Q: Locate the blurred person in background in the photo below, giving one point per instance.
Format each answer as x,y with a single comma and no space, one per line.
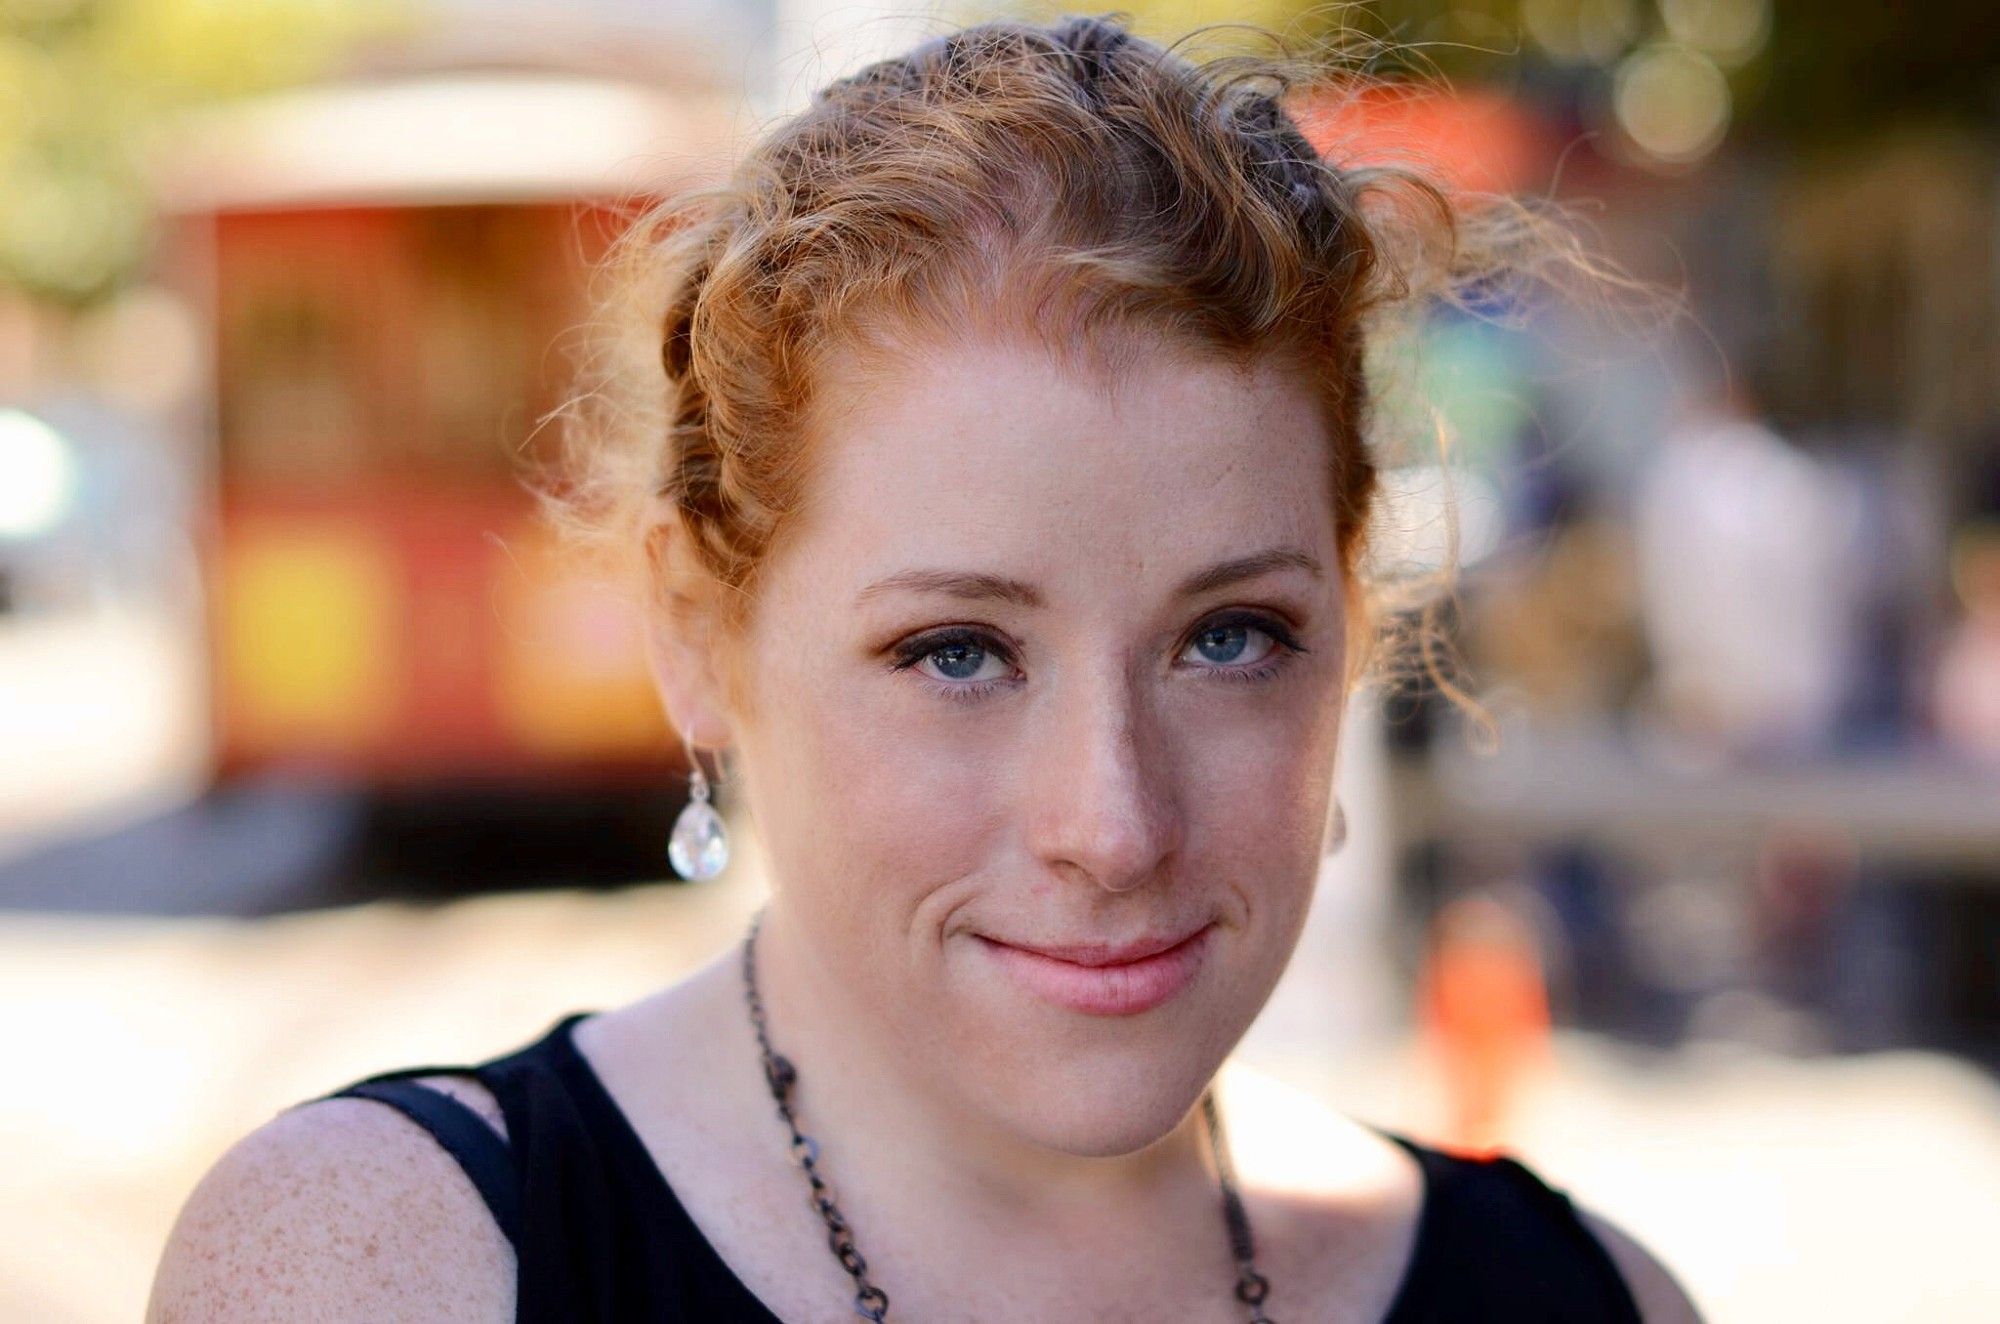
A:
1748,585
1005,505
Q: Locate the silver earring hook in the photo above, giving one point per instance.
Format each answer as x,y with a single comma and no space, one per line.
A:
698,785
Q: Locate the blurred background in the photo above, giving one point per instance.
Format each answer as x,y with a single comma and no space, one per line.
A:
316,758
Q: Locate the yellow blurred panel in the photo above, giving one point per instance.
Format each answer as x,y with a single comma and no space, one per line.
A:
308,637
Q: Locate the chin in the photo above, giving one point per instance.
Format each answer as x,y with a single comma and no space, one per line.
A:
1094,1086
1115,1127
1062,1061
1102,1111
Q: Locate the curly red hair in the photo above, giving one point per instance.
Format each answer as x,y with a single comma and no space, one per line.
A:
1071,182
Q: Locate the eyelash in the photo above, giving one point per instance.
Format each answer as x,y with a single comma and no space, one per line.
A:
913,651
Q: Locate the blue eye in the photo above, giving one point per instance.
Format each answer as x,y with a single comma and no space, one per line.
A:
953,662
1224,645
959,660
966,664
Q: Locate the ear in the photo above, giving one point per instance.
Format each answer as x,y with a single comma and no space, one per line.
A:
680,636
679,656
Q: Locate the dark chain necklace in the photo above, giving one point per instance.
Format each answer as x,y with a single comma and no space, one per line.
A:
870,1301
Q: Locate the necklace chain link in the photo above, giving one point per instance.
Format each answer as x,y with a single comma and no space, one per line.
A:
870,1301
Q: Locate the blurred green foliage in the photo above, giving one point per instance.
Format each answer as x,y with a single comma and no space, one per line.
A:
83,83
1841,68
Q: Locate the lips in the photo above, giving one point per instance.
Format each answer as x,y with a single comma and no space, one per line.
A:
1104,953
1105,979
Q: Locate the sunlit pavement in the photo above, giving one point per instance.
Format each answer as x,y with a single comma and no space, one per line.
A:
1860,1189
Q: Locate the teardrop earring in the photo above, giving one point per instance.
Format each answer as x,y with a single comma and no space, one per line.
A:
699,847
1336,829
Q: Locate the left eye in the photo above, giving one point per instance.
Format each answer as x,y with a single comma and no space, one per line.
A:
1232,643
963,660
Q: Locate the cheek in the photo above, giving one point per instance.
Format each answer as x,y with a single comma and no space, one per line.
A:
922,812
873,803
1257,780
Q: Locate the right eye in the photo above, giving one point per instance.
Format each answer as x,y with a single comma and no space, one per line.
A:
961,663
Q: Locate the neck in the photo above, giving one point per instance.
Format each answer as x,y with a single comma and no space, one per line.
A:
882,1125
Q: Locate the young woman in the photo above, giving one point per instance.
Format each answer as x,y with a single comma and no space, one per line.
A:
998,462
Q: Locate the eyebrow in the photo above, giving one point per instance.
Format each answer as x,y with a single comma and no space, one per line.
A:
998,588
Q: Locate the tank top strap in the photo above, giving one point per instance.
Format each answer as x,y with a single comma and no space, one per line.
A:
1497,1242
598,1237
462,1133
589,1252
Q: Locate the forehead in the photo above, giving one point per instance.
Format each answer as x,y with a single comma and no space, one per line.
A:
996,451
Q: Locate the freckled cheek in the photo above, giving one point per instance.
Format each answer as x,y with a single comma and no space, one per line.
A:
1257,809
940,814
898,810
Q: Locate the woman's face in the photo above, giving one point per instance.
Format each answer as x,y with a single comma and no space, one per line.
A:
1046,666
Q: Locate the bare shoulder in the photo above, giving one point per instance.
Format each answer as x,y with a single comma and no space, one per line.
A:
1661,1298
337,1209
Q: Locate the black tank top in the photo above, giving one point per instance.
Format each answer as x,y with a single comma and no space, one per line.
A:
599,1236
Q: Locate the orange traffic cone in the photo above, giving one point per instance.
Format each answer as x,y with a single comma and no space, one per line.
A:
1483,1010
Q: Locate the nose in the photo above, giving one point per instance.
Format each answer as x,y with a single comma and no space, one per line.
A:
1102,793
